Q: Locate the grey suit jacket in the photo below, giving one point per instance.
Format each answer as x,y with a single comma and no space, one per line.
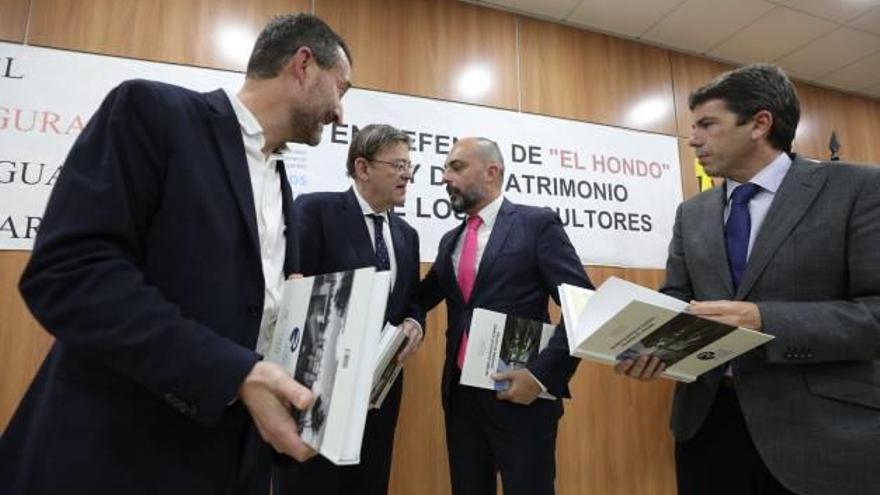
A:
811,397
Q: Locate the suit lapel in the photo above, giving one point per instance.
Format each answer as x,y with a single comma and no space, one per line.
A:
401,254
445,268
227,134
496,240
714,228
798,190
354,224
291,261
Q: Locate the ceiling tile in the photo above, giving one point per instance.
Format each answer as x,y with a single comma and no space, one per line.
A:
869,22
627,17
875,91
698,25
832,51
856,76
840,11
775,34
551,9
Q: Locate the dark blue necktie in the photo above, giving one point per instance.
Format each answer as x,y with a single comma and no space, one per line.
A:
738,229
383,262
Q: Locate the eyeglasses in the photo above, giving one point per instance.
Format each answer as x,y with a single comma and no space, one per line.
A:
402,166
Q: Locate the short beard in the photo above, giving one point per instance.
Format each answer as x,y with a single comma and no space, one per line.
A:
307,129
462,201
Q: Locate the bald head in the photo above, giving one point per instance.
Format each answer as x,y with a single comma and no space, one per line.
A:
473,174
485,151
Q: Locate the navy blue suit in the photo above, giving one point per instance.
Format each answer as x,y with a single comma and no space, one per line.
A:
332,236
147,271
527,256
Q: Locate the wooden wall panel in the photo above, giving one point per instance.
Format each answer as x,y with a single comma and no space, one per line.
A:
689,73
581,75
209,33
23,343
13,19
426,47
871,130
854,119
420,464
613,438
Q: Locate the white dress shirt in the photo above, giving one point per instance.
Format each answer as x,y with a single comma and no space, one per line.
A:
769,178
266,187
371,229
389,244
489,213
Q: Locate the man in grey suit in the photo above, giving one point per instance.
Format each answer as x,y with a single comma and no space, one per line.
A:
789,247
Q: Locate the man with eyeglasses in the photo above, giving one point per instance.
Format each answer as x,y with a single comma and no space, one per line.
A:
339,231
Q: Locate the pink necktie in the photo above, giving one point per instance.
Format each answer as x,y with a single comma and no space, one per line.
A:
467,274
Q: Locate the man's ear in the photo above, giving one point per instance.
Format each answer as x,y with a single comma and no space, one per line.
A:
762,124
299,62
361,166
493,170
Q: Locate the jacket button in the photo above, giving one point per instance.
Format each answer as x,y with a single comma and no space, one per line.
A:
253,310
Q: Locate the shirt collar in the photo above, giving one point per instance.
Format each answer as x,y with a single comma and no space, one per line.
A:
769,178
490,212
246,119
365,207
251,128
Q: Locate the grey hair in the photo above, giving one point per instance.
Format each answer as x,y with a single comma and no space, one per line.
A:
372,139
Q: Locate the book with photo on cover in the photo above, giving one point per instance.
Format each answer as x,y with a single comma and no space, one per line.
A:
499,343
392,341
326,337
622,320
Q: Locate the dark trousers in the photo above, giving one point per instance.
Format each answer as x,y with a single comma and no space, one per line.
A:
479,448
370,477
721,458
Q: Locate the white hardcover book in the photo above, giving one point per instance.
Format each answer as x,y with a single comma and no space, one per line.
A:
498,343
326,337
392,341
360,372
622,320
572,300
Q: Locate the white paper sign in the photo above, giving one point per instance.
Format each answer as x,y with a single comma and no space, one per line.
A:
615,190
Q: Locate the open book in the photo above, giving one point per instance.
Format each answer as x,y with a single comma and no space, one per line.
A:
387,369
326,337
498,343
622,320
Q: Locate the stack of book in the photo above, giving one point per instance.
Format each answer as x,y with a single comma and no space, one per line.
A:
327,337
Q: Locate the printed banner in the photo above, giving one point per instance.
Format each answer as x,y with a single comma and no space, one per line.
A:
614,189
